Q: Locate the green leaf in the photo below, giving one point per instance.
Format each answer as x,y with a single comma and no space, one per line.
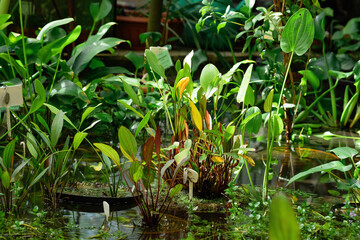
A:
269,101
137,60
175,190
130,91
320,26
208,75
254,124
8,153
4,18
244,85
38,177
86,55
52,25
78,138
127,141
136,171
127,106
283,223
344,152
348,110
154,63
56,128
17,170
277,125
183,154
229,132
57,46
99,11
69,88
86,113
32,145
143,123
109,151
19,68
40,98
327,167
5,179
312,78
54,110
298,33
220,26
165,167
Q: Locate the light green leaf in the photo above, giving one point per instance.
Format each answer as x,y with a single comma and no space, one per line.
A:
327,167
78,138
283,223
175,190
154,63
56,128
109,151
244,84
269,101
143,123
54,110
344,152
52,25
5,179
40,98
127,141
298,33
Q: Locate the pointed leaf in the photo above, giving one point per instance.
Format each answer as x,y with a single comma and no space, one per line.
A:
5,179
175,190
8,154
148,150
244,84
127,143
143,123
97,167
109,151
52,25
165,167
78,138
269,101
196,116
56,128
154,63
157,141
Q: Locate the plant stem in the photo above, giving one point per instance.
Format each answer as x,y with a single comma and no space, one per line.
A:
283,86
332,92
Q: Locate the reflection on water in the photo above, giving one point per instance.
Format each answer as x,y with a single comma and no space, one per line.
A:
291,159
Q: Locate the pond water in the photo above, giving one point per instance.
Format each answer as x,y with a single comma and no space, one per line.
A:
86,222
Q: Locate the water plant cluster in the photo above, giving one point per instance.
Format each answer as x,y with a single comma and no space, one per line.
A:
163,131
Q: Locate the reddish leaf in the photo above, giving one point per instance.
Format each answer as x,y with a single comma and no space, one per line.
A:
148,150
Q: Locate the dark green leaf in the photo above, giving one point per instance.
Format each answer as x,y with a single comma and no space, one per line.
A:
56,128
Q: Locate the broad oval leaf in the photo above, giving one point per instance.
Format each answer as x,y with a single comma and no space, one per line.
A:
5,179
99,11
344,152
109,151
277,125
269,101
207,76
298,33
254,124
127,143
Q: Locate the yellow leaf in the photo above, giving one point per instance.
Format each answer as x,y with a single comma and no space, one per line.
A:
195,114
97,167
181,85
249,160
217,159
